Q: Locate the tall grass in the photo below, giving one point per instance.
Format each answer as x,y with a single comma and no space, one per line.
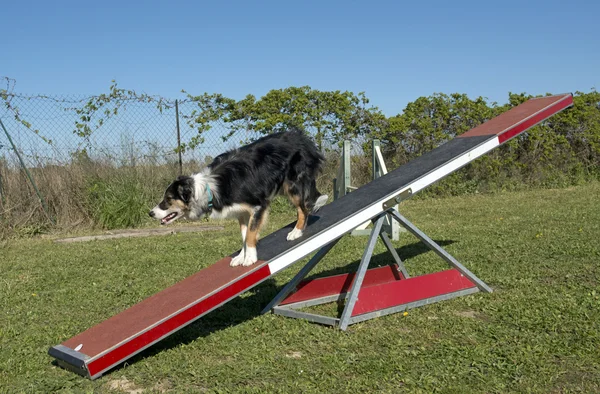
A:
81,194
101,194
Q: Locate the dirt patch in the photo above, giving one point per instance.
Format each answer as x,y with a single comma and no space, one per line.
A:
469,314
473,315
124,385
139,233
162,387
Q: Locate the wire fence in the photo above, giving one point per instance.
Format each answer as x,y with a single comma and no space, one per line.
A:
50,165
43,129
59,151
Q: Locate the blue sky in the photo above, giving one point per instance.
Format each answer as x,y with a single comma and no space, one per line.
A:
394,51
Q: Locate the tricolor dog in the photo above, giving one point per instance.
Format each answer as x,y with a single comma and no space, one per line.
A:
241,183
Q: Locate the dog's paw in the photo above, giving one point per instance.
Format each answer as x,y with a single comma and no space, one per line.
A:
237,260
294,234
250,257
244,259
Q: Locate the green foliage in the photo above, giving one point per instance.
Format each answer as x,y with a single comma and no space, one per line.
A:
119,202
330,116
564,150
6,96
428,122
281,205
98,109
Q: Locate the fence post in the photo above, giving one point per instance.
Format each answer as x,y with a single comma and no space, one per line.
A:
178,137
44,206
2,200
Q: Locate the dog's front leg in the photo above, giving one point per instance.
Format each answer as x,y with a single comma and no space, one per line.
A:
243,220
248,255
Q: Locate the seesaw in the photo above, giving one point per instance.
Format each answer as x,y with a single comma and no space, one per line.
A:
368,293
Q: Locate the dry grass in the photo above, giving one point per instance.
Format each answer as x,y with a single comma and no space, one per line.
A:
75,193
69,192
109,194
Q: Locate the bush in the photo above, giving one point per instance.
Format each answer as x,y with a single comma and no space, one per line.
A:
120,202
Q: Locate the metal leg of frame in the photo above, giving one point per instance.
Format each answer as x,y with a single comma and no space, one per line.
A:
440,252
388,244
287,289
360,274
311,317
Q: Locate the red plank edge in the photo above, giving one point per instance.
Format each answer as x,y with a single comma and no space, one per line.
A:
111,342
522,117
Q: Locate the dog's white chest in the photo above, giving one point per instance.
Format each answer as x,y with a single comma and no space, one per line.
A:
229,212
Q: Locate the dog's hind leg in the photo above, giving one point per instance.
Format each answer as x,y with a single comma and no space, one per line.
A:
248,255
295,195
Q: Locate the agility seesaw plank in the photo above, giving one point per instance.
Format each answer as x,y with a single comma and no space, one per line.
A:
108,344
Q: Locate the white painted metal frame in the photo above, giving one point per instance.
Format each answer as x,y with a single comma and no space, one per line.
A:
342,186
336,231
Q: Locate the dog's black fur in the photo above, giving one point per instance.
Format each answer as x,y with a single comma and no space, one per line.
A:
245,181
256,172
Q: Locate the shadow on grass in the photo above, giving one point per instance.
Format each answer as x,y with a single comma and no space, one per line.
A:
240,310
406,252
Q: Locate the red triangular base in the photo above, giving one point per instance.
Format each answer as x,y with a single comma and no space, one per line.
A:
382,288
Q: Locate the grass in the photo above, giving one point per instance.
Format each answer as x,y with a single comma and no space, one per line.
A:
538,332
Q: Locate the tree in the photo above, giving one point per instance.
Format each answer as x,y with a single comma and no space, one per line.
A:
330,116
428,122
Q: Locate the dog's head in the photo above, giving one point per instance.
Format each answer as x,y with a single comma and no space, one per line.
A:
176,201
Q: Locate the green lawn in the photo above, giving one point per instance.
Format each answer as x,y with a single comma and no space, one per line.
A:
538,332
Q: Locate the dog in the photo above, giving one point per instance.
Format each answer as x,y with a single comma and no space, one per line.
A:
241,183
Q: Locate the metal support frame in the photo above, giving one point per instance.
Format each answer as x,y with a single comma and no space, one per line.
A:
342,186
291,309
343,179
360,274
380,169
440,251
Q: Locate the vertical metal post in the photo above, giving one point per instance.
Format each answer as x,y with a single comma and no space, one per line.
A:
341,183
390,226
347,166
1,189
42,201
376,167
335,189
360,274
178,137
319,136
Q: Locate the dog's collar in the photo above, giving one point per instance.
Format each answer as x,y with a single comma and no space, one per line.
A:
210,196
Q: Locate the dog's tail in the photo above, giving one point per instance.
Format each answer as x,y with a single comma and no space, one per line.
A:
322,200
315,199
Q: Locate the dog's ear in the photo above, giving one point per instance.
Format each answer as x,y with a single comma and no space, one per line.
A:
185,189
